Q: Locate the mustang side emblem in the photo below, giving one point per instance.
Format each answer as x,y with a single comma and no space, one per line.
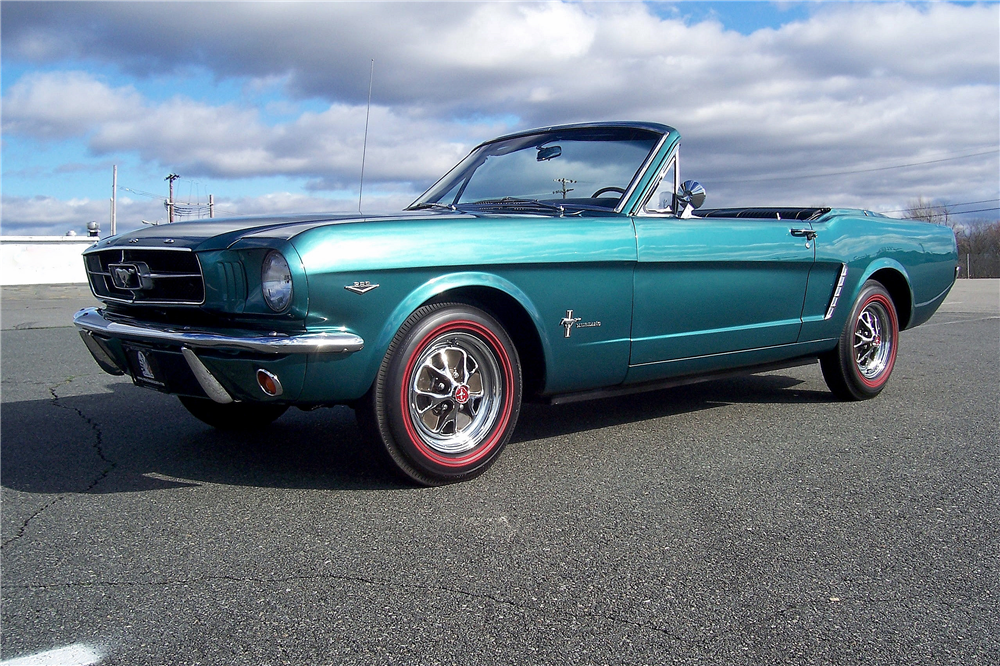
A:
361,287
569,322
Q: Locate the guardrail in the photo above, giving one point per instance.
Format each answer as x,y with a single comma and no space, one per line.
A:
43,259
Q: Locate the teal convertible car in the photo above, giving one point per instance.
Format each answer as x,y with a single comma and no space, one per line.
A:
556,264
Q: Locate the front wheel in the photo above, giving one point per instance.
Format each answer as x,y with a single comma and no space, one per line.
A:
859,367
447,395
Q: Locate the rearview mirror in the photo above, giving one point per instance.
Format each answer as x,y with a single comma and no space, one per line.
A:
548,153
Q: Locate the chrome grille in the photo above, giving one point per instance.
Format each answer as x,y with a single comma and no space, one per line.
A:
146,276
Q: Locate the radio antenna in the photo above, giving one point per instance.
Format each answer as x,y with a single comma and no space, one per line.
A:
364,148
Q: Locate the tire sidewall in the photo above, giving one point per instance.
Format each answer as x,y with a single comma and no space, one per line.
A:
403,433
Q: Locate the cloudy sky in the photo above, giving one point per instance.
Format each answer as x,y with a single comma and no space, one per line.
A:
263,104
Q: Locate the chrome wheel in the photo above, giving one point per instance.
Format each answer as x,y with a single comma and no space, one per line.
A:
447,395
872,340
859,366
455,393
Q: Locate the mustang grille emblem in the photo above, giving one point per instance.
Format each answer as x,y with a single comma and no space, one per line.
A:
133,276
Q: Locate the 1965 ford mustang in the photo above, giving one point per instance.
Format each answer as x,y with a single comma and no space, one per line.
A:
559,264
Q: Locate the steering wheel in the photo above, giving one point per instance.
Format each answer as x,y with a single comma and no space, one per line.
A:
619,190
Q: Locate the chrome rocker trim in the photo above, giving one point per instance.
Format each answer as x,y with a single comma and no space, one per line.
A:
93,321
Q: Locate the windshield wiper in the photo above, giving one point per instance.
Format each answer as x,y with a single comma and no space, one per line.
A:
517,205
432,204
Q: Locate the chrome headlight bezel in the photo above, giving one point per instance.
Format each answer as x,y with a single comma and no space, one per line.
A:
276,281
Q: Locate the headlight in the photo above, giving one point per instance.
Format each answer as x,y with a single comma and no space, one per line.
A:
276,282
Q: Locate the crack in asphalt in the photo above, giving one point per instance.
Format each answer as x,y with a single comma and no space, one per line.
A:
98,447
646,626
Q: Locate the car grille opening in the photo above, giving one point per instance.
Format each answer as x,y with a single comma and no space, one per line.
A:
146,276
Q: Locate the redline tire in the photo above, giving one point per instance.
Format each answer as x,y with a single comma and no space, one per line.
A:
860,366
447,395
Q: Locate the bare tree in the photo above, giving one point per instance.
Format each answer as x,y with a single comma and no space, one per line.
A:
922,209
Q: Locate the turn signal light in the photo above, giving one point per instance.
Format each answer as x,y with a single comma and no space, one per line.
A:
268,382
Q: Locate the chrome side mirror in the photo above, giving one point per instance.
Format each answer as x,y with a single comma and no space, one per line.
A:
690,196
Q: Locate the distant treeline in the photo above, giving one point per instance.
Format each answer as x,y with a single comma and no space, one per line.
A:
978,240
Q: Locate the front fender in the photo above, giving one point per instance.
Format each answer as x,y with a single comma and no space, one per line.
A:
436,286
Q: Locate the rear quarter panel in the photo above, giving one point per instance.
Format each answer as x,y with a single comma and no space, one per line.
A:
923,254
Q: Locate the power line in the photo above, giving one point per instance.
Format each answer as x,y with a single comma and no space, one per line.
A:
855,171
141,193
980,210
933,205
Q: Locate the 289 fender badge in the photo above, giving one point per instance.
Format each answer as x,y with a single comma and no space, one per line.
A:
361,287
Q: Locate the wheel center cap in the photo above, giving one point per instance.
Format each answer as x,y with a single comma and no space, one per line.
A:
462,394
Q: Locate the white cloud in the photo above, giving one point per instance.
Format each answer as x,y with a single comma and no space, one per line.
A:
58,105
50,216
854,87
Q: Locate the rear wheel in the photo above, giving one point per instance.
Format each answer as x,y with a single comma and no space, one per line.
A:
234,415
447,395
859,367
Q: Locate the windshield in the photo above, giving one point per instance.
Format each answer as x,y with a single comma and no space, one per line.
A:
589,167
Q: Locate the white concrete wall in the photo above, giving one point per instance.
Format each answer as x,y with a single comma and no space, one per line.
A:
43,259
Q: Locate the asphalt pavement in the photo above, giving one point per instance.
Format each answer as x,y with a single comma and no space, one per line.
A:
753,520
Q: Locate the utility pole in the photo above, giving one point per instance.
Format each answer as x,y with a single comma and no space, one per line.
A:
170,202
114,200
564,190
211,205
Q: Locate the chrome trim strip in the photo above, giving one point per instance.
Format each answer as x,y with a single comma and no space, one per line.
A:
836,292
730,353
640,173
672,159
91,319
660,384
209,384
165,276
116,248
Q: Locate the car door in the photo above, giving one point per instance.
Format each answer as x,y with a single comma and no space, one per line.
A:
713,288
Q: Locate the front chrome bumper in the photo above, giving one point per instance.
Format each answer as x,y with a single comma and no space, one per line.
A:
96,330
93,321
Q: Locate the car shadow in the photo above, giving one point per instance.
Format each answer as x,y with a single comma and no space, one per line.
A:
129,440
539,421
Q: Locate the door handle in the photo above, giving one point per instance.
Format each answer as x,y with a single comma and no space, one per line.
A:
808,234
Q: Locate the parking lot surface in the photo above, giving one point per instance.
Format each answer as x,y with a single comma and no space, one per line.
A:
745,521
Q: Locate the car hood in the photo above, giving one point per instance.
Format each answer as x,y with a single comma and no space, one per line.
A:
218,234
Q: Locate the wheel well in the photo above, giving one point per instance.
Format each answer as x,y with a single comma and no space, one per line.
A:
899,290
518,324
